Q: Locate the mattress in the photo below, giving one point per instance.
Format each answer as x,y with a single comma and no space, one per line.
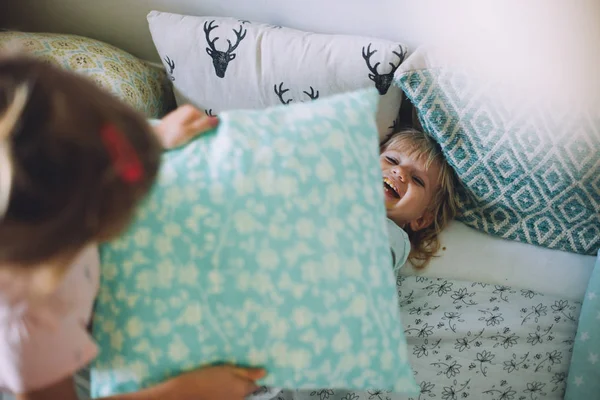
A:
473,256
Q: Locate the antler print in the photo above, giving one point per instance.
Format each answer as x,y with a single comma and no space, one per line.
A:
367,56
171,65
239,36
280,92
395,127
221,59
208,28
312,94
382,81
401,56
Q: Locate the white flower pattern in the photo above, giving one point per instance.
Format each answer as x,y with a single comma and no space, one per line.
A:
242,257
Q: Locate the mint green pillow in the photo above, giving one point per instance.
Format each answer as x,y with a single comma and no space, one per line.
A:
262,244
584,372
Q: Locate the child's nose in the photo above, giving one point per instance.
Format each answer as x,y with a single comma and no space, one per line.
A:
400,172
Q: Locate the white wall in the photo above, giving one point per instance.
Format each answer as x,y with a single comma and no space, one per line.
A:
533,40
123,22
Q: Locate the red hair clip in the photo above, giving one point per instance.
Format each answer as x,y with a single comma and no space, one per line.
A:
125,160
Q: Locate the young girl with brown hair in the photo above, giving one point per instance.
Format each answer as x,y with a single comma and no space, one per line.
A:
74,164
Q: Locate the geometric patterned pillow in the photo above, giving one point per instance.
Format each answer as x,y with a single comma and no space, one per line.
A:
143,86
531,176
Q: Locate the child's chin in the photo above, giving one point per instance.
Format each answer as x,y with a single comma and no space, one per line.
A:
389,209
390,202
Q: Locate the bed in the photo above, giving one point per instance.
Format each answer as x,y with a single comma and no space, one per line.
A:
469,340
488,319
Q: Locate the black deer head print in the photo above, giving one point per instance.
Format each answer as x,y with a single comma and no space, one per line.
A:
280,91
382,81
221,59
209,112
171,65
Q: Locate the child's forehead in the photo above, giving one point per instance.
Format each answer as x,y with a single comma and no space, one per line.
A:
408,148
414,151
403,146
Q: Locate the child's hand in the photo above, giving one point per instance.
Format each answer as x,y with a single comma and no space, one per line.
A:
215,383
182,125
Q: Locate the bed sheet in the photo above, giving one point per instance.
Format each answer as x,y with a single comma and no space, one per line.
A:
478,341
477,257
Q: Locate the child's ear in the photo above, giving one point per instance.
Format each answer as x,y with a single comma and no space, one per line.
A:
422,222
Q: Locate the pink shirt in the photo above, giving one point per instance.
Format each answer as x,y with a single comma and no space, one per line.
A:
44,342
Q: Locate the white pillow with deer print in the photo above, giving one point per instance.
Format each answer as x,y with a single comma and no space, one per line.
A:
220,64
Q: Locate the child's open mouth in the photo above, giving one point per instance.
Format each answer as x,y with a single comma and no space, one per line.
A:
390,188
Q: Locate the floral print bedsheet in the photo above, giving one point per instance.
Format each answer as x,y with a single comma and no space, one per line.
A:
478,341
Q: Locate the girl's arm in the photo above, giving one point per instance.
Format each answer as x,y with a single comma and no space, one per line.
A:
212,383
65,390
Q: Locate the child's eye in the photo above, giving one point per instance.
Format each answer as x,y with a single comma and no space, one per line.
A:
391,160
419,181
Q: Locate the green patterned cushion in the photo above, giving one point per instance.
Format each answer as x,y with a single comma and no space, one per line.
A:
141,85
531,176
244,252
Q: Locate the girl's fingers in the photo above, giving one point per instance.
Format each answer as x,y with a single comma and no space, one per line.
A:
202,124
196,128
251,374
183,125
188,113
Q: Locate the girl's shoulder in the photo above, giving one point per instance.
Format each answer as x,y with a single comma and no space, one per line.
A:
399,244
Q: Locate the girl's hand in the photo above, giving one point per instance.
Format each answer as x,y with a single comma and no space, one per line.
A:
182,125
214,383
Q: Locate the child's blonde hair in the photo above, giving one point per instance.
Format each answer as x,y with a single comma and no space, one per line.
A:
63,138
425,242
